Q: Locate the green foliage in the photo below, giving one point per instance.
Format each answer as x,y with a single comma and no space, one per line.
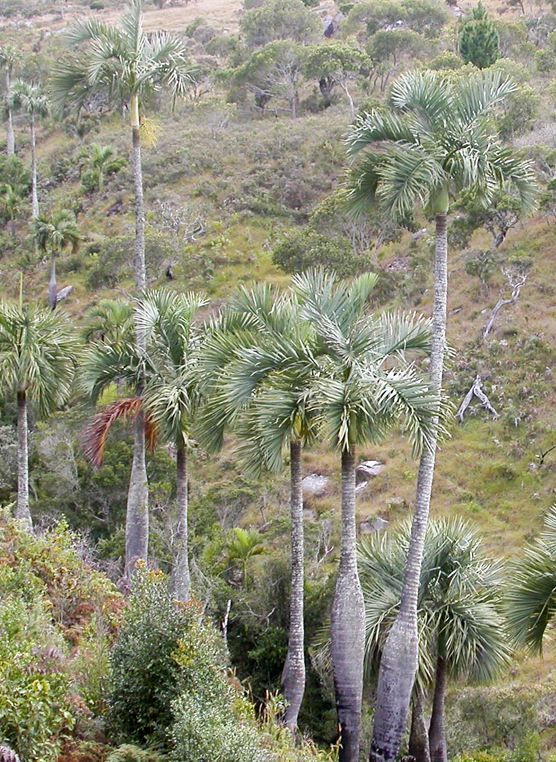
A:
279,20
482,265
111,260
424,16
479,41
130,753
99,162
144,673
307,248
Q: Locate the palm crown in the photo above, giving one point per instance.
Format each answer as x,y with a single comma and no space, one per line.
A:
31,99
436,140
38,355
56,232
122,61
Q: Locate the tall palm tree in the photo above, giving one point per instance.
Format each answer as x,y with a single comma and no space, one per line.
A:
364,389
53,234
98,162
436,139
260,358
8,58
464,635
33,101
38,357
124,62
531,595
172,397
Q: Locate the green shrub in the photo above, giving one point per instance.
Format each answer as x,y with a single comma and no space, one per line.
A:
129,753
307,248
479,41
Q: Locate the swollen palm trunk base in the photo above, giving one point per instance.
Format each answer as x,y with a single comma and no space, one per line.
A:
348,625
137,517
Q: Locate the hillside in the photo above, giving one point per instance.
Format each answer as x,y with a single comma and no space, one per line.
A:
226,183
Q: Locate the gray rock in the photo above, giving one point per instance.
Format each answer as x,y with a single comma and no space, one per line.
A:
372,525
315,484
368,469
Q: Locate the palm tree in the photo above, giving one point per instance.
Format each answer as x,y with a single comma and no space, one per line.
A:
123,62
11,201
98,162
109,321
436,140
34,102
259,355
172,397
38,358
463,631
126,63
8,58
244,545
53,234
531,595
364,389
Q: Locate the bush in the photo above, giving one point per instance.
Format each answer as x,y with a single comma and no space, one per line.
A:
129,753
307,248
112,260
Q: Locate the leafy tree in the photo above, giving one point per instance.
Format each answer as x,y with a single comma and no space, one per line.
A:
334,66
280,20
388,47
308,248
531,595
98,163
53,234
275,71
479,41
463,632
8,57
33,101
364,387
436,140
38,358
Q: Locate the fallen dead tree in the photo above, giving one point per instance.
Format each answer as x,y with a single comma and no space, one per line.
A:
516,283
477,391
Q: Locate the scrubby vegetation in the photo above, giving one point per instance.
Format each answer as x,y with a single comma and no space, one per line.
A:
221,248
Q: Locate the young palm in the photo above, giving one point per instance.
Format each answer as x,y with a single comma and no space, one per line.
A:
38,358
110,321
531,595
8,57
126,63
98,162
436,140
33,101
11,200
172,397
53,234
463,632
261,355
365,388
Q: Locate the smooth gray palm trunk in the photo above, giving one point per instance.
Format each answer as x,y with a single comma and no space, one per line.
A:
419,736
348,624
437,734
52,284
398,665
137,516
180,580
34,190
10,134
293,676
22,512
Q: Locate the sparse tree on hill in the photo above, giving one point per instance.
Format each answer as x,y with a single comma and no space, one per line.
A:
334,66
53,234
33,101
8,58
435,141
280,20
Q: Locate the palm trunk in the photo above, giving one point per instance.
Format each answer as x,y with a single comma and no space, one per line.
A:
22,512
399,659
347,624
437,734
180,571
140,271
419,738
34,191
137,517
10,137
293,677
52,285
